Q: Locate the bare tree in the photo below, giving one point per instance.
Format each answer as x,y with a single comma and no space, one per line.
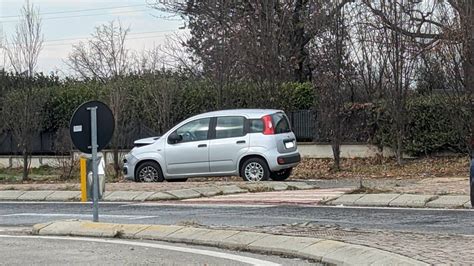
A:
26,43
105,58
160,93
332,70
434,24
22,108
257,40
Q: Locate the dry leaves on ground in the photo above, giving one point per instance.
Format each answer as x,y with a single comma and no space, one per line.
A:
384,168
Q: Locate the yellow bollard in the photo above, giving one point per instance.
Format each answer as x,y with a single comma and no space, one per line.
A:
83,179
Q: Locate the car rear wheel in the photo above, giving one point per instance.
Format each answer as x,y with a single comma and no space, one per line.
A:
281,175
149,172
255,169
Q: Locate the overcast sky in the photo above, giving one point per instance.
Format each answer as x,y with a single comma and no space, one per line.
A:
66,22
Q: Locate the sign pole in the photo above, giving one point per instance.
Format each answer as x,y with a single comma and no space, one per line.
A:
95,175
91,128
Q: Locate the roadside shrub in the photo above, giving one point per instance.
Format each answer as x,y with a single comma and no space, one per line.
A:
64,100
296,96
434,124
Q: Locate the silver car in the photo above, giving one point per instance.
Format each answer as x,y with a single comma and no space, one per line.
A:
255,144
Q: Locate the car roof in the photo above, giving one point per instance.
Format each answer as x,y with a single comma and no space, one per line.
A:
249,113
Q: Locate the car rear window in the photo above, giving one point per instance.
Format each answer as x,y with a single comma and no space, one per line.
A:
281,123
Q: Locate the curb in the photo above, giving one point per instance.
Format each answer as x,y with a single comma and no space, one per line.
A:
177,194
402,200
320,250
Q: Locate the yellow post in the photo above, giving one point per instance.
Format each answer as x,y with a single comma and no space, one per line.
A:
83,180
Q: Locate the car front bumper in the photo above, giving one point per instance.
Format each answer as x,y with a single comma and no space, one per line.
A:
128,169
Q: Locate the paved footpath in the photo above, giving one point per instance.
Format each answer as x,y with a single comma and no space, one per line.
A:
435,249
163,192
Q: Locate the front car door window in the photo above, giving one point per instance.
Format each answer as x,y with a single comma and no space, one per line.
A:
195,130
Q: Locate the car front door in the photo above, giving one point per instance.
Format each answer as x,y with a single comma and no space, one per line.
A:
228,144
190,154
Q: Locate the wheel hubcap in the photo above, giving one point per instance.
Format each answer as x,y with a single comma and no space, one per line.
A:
254,171
148,174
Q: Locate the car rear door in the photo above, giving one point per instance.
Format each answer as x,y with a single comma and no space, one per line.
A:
228,142
285,139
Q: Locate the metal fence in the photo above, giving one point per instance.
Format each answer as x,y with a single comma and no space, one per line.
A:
43,143
303,123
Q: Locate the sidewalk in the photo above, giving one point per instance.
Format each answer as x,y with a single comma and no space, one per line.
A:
449,192
170,191
402,200
318,249
408,193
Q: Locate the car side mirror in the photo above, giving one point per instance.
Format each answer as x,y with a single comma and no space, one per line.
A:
174,138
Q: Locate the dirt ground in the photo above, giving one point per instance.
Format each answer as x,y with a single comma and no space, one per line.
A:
428,167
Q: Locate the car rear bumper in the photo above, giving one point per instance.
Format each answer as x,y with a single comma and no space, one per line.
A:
289,159
283,161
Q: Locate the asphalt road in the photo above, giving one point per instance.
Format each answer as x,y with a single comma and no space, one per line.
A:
96,251
411,220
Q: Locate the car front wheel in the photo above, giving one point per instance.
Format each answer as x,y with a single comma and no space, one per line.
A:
281,175
255,169
149,172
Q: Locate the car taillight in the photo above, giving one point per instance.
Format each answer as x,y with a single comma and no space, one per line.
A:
268,125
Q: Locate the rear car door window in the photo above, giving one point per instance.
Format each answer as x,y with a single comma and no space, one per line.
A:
230,127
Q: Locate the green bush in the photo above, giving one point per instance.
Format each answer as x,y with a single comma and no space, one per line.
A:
64,100
296,96
434,124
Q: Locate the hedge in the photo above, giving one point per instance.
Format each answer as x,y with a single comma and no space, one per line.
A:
434,123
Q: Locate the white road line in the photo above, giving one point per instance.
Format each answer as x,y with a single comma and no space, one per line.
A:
130,217
215,254
64,202
202,205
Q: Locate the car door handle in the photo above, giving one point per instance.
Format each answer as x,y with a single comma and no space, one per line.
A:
241,142
202,145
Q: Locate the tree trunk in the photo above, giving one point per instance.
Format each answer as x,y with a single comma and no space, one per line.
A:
117,169
399,151
297,43
25,165
469,70
336,151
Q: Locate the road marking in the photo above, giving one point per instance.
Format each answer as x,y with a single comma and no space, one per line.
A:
204,205
65,202
130,217
215,254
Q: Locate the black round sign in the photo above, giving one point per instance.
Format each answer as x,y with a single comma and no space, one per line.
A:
80,126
